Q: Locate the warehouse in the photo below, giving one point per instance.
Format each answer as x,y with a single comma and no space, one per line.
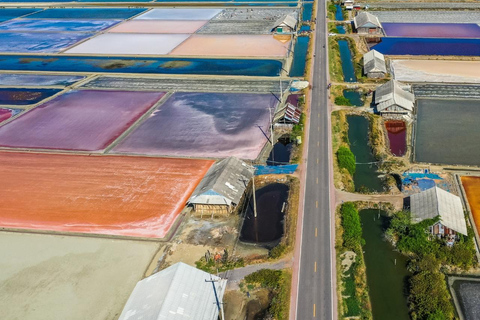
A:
366,23
178,292
391,99
222,187
374,65
436,202
286,24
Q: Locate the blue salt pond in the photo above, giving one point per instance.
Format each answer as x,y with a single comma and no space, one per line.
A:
307,11
338,13
16,79
341,29
87,13
7,14
16,42
241,67
429,46
51,25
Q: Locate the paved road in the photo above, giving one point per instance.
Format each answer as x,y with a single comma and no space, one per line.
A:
315,286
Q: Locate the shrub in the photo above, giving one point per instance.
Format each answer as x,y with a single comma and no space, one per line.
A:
266,278
342,101
346,159
352,228
278,251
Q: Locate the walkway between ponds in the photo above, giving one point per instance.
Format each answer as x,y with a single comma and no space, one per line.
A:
236,275
395,199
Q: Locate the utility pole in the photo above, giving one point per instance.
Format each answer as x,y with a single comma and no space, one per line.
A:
219,305
254,200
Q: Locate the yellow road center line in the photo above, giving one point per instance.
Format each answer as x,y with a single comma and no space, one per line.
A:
317,160
318,128
317,180
314,311
318,143
315,266
316,232
316,204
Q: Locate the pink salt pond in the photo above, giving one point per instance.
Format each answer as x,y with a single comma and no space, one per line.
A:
159,26
78,120
232,45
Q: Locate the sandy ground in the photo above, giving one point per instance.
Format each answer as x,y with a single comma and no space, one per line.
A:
436,71
57,277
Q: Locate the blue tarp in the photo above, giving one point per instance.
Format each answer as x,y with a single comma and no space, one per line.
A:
286,169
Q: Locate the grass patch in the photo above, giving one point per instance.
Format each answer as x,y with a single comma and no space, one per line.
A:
278,282
352,283
298,131
342,178
225,263
342,101
334,61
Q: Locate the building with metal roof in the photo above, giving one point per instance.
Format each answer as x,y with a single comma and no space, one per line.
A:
179,292
286,24
374,64
222,187
436,202
392,98
367,23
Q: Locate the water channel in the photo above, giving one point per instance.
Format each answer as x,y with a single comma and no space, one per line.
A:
386,269
341,29
366,175
300,57
267,227
280,153
338,13
347,63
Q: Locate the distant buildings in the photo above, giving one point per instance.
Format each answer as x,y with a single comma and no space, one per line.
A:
367,24
393,100
436,202
374,65
176,293
222,187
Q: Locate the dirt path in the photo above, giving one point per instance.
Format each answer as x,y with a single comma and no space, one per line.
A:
395,199
236,275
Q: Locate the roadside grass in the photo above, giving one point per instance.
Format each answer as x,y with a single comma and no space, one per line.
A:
287,243
334,61
354,301
342,178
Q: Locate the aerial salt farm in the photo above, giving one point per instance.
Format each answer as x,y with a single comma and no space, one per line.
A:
104,135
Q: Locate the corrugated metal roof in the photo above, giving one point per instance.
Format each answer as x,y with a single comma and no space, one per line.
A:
374,61
290,20
390,94
176,293
366,19
224,183
435,202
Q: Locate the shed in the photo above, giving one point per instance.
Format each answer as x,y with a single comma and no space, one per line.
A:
222,187
286,24
392,99
436,202
374,64
177,293
367,23
348,2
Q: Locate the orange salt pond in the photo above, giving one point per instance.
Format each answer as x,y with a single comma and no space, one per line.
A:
472,189
124,196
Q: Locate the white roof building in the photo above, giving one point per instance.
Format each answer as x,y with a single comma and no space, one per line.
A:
366,20
224,183
436,202
288,22
391,97
374,62
177,293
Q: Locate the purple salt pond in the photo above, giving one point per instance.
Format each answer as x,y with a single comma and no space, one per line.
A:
78,120
212,125
432,30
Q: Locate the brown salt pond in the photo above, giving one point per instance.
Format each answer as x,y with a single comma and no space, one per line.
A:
397,134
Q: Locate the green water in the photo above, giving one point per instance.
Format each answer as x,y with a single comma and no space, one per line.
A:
386,269
366,175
